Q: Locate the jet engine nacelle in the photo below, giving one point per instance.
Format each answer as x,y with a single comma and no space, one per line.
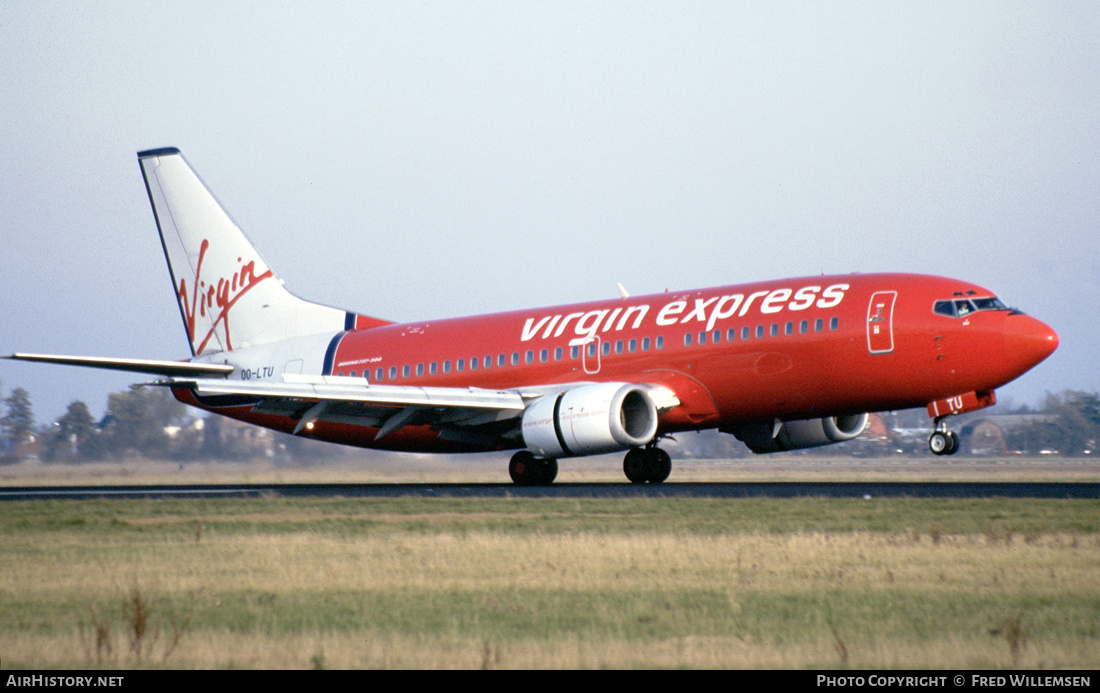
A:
804,433
590,420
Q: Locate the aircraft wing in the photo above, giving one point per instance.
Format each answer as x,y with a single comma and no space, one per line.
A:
470,414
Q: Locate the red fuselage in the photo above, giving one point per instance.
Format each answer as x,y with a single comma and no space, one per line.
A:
789,349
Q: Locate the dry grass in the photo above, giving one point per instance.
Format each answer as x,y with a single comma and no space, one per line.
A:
285,563
439,598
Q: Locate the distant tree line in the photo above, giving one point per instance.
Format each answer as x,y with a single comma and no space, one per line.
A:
148,422
142,422
1068,424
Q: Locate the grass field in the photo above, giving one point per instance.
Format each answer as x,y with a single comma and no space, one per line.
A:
547,583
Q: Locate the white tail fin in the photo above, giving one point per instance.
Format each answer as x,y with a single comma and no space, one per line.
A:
229,298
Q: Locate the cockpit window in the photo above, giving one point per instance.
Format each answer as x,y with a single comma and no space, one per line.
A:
991,303
959,307
944,308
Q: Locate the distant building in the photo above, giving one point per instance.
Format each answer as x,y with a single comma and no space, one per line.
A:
29,448
988,435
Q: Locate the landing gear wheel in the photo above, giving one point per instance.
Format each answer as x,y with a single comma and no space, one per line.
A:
527,470
938,442
650,465
634,465
943,443
660,465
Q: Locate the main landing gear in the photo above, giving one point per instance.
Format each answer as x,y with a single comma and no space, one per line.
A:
648,465
528,470
943,441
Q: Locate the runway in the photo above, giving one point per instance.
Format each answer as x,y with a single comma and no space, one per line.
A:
835,489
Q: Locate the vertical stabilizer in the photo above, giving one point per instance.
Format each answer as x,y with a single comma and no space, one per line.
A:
229,298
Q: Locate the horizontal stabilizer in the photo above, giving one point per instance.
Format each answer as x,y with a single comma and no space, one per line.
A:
172,369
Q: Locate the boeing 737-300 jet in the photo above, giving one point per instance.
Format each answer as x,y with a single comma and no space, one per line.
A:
781,365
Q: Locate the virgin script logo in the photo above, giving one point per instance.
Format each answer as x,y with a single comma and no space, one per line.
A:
214,300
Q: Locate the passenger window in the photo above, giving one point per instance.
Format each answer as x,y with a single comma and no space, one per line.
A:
557,354
788,328
432,368
803,327
660,343
819,325
544,356
745,333
834,323
645,343
393,372
687,339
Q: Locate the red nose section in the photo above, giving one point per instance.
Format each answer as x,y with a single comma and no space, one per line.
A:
1028,341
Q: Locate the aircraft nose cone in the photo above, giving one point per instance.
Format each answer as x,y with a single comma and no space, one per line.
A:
1028,341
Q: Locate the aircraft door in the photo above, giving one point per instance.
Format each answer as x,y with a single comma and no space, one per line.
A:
880,322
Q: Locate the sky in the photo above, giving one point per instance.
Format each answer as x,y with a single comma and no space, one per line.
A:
419,160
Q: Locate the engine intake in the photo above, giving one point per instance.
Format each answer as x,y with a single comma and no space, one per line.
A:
590,420
797,435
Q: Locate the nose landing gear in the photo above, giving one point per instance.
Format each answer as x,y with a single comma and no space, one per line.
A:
943,441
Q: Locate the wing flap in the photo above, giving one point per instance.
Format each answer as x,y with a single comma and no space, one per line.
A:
313,399
359,390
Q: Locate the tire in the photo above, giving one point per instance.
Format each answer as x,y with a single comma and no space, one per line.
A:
660,465
647,465
939,443
634,466
527,470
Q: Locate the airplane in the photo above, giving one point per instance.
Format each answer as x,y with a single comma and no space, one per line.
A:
782,365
